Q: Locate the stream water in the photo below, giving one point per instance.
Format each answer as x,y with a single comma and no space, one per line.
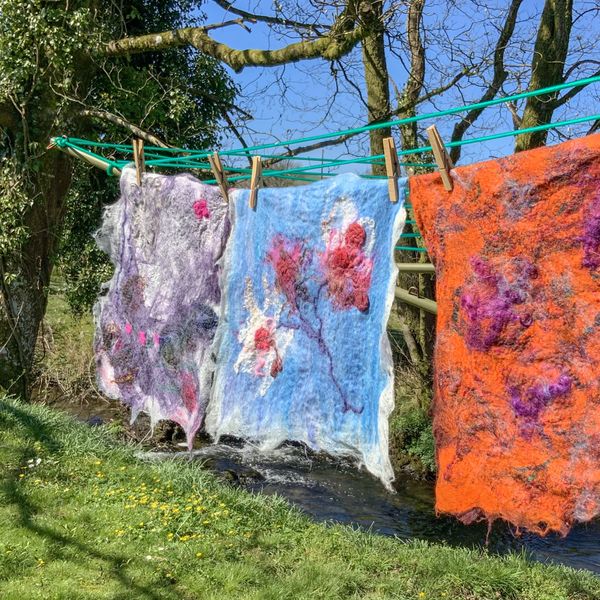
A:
330,491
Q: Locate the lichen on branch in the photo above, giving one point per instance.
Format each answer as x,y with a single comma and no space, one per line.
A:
342,37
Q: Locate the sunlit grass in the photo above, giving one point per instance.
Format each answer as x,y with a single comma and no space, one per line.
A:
80,517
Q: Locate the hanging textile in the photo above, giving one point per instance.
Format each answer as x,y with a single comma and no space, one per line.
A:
158,315
516,247
302,350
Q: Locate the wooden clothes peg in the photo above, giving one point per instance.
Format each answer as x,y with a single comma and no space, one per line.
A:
441,156
217,168
255,181
392,167
138,157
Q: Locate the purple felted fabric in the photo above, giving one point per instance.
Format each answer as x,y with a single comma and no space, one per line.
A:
157,316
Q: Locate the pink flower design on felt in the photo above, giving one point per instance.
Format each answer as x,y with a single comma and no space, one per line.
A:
201,209
263,343
347,268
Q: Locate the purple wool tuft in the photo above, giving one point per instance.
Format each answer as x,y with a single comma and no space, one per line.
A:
530,404
489,302
591,235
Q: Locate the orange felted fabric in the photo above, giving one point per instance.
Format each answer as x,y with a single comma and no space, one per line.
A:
516,246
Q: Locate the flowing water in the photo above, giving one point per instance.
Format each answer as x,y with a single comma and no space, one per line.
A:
330,491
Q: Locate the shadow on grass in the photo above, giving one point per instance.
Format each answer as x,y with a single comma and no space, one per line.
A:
12,493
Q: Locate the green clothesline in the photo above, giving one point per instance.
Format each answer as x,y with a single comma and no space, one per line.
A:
184,161
191,159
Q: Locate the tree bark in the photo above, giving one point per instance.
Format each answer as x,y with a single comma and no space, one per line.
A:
376,78
24,293
547,68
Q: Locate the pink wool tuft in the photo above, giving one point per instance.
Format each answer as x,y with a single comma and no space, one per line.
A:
201,210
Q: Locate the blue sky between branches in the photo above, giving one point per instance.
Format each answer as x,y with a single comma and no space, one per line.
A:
306,99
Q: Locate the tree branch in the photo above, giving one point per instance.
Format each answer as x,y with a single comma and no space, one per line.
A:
595,127
116,120
343,36
572,92
442,88
228,6
516,119
407,101
498,78
237,134
547,68
311,147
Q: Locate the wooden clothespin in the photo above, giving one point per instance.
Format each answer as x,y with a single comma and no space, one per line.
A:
392,167
217,168
441,156
255,180
138,157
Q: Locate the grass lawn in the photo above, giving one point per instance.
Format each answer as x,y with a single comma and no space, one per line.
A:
80,517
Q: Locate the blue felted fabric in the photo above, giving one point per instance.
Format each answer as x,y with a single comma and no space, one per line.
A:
302,352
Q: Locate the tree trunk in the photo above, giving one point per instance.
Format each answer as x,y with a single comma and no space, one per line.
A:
28,270
376,78
549,55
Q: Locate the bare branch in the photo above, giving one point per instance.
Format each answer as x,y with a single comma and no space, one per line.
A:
578,64
253,18
498,78
239,22
595,127
116,120
311,147
442,88
237,134
572,92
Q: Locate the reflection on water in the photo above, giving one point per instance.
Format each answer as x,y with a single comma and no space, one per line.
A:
329,491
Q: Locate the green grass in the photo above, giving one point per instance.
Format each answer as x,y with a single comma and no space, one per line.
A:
80,517
64,354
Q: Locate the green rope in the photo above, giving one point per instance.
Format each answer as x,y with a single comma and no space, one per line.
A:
416,118
494,136
410,249
374,126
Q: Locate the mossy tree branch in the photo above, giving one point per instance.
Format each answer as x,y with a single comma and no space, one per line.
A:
344,34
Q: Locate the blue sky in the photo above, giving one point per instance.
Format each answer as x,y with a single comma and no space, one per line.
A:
302,99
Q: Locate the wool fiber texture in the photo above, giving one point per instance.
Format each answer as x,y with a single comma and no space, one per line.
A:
156,318
302,352
516,246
